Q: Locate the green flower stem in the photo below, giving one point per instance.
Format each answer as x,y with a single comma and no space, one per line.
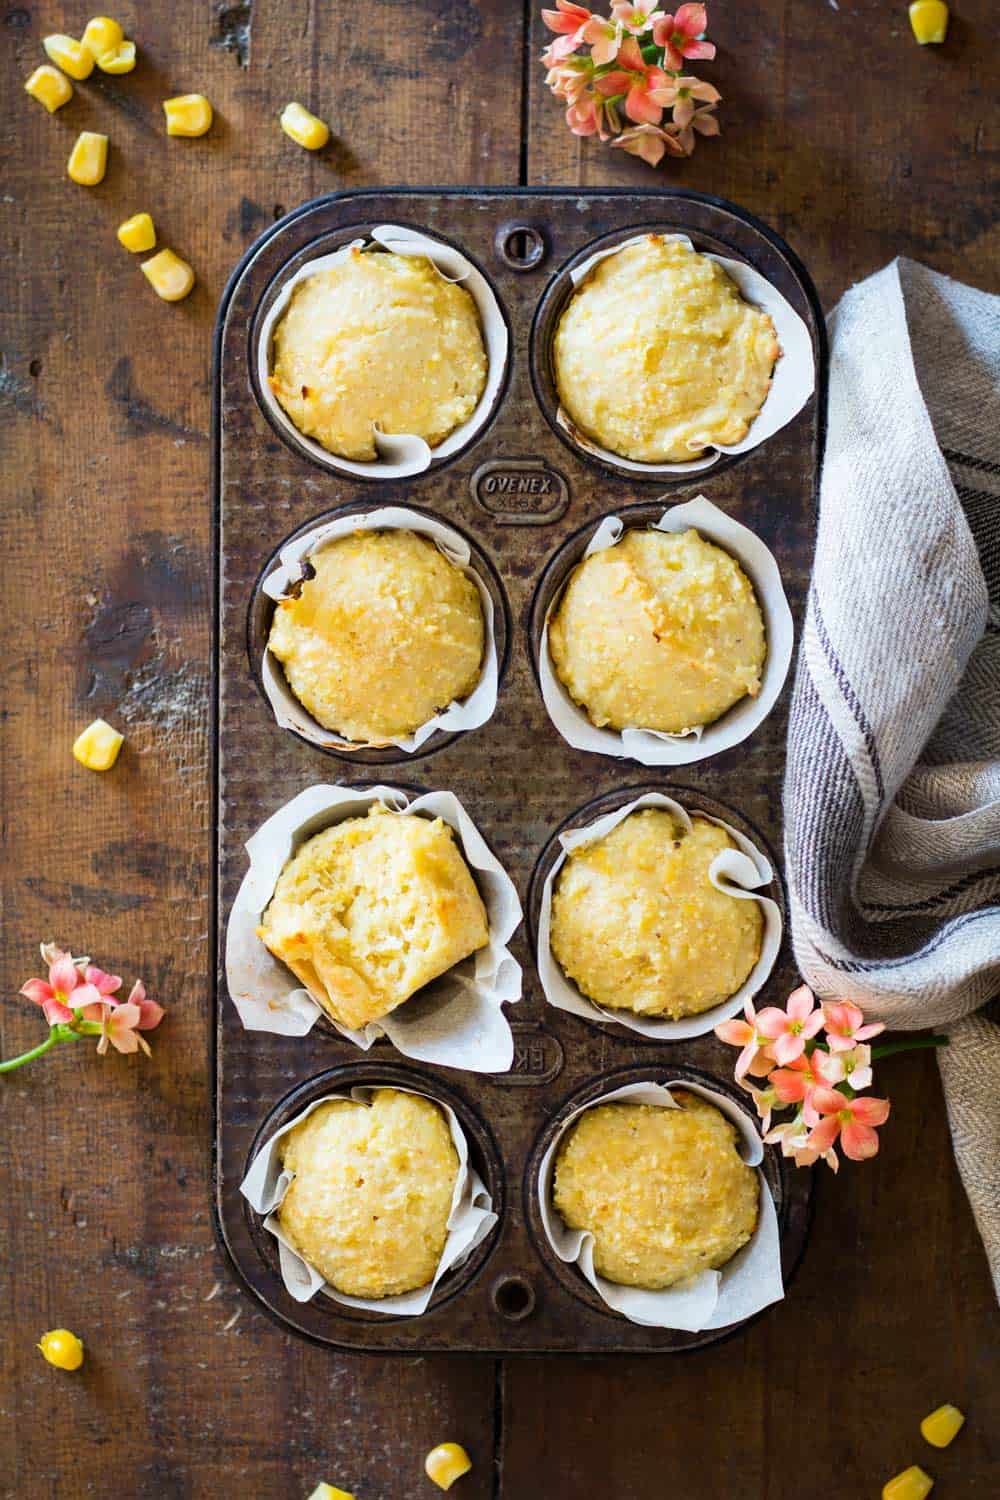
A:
59,1033
908,1044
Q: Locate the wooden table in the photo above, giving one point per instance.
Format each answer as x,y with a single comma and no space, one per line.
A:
857,146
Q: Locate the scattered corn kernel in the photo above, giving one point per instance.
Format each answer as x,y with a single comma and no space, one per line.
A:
49,87
188,114
329,1492
942,1426
307,129
120,60
912,1484
137,233
62,1349
69,55
88,160
102,35
170,277
98,746
446,1463
929,20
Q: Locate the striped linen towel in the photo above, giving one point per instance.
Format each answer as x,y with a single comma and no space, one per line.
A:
892,789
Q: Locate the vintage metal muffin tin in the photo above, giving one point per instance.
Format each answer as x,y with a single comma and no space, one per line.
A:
519,492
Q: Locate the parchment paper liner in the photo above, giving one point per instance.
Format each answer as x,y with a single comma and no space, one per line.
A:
741,872
467,713
400,454
792,383
653,747
469,1222
714,1299
457,1020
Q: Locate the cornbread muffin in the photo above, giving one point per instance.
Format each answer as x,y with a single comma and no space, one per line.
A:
664,1192
372,909
657,355
637,925
384,635
378,340
662,631
368,1206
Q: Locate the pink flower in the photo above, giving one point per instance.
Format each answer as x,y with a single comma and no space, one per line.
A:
854,1067
853,1120
756,1057
796,1083
582,117
105,984
844,1026
604,39
788,1031
794,1142
680,93
569,20
636,18
570,79
150,1014
649,142
57,996
703,121
679,36
119,1025
638,81
764,1101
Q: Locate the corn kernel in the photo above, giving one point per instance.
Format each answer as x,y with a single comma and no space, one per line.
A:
98,746
307,129
188,114
69,55
62,1349
137,233
170,277
102,35
120,60
942,1426
329,1492
912,1484
49,87
446,1463
88,160
929,20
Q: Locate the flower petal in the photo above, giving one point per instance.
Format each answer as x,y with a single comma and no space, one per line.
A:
106,983
801,1002
735,1033
691,20
859,1142
823,1135
787,1048
36,990
641,108
56,1012
691,50
869,1111
829,1101
150,1015
63,975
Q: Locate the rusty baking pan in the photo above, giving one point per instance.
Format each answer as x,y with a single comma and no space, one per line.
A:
520,491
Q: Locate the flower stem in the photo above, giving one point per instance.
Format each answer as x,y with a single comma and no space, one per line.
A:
908,1044
59,1033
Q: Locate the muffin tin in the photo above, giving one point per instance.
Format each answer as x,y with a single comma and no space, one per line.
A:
518,492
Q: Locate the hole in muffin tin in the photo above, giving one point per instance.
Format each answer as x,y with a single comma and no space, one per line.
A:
328,244
261,613
521,247
569,1276
484,1155
543,331
513,1297
694,801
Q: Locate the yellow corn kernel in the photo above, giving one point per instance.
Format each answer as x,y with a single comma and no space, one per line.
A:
912,1484
929,20
137,233
329,1492
102,35
69,55
88,160
446,1463
98,746
170,277
307,129
942,1426
49,87
188,114
62,1349
120,59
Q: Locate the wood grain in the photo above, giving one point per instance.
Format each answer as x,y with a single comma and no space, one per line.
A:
856,145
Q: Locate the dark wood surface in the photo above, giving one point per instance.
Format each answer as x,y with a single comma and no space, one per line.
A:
857,146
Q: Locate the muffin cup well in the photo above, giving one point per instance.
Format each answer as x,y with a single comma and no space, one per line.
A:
652,747
744,1286
742,872
290,568
456,1021
470,1220
792,383
400,454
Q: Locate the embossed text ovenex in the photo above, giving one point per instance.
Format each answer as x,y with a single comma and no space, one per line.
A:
526,499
